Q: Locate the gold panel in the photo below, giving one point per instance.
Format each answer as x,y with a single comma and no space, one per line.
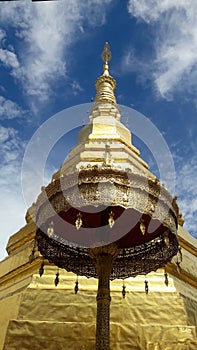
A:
58,336
138,322
47,304
8,309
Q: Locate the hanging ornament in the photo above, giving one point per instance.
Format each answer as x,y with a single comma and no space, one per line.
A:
146,286
178,266
166,239
76,286
123,290
166,278
56,279
142,226
50,230
78,222
180,254
111,219
41,270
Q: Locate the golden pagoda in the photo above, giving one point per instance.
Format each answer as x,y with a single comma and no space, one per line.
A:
58,310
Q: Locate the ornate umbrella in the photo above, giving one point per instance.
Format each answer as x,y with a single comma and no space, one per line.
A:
106,221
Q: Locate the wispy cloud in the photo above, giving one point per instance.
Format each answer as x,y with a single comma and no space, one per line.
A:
46,31
138,65
187,192
2,35
10,109
175,63
9,59
12,206
76,87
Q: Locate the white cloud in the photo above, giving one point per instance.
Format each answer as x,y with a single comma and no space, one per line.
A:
151,10
76,87
175,65
187,192
11,151
9,59
132,63
12,206
10,110
47,30
2,35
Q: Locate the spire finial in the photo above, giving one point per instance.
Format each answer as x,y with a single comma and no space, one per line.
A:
106,57
106,54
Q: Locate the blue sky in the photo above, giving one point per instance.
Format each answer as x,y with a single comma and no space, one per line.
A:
50,58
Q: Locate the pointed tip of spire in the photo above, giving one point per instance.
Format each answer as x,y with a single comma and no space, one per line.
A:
106,57
106,54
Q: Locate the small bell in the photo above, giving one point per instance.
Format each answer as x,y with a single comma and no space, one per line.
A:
111,219
41,270
166,278
76,286
142,227
146,286
123,291
78,222
50,230
56,279
166,239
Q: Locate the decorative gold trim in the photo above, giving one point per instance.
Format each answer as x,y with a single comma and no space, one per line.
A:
131,147
188,246
12,247
183,275
25,269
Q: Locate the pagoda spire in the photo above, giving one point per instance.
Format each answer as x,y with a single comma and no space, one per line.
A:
105,84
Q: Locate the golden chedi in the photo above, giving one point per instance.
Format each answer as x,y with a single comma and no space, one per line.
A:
58,310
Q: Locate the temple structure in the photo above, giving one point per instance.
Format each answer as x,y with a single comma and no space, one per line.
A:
37,314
